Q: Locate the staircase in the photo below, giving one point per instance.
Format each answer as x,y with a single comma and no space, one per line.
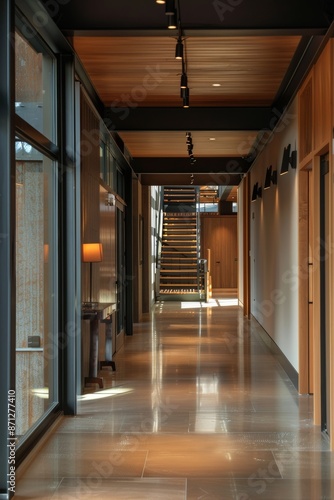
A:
179,279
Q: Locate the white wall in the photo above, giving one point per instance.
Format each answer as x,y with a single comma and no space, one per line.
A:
274,243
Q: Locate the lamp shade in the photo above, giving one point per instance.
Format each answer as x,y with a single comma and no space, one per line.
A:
170,7
172,22
185,97
92,252
184,81
285,160
179,50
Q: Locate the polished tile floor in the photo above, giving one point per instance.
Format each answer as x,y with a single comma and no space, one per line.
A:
197,409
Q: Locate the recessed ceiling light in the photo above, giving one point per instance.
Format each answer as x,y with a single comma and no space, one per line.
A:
216,85
212,138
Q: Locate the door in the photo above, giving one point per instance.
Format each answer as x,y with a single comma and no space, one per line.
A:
219,234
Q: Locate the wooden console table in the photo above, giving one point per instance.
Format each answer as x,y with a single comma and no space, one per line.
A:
98,312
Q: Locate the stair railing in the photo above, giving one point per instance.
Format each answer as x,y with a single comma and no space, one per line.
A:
200,283
159,231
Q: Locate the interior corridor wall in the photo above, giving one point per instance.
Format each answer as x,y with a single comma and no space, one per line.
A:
155,223
241,223
274,242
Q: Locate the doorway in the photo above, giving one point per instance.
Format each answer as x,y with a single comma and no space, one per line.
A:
219,234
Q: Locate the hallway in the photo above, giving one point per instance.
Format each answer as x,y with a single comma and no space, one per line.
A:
197,409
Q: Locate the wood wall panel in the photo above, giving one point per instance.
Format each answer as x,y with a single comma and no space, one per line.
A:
306,120
90,187
219,234
315,115
107,268
322,98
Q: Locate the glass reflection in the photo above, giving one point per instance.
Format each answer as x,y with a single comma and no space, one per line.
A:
35,285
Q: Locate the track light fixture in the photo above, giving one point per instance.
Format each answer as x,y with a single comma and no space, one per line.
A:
179,49
172,23
170,7
189,143
184,81
186,97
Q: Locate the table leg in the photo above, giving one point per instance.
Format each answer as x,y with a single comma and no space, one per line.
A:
108,347
93,354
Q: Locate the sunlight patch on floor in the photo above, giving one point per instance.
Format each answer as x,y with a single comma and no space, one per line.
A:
211,303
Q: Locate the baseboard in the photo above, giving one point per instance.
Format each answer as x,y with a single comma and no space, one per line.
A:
279,355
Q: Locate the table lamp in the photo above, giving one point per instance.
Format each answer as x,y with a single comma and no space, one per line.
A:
91,252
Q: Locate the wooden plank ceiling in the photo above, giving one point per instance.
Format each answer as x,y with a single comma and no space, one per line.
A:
143,70
244,64
173,144
222,71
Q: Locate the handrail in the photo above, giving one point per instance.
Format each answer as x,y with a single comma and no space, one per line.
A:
159,228
198,241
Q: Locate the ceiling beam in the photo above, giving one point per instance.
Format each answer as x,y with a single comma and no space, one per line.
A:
185,179
208,165
198,32
196,118
198,17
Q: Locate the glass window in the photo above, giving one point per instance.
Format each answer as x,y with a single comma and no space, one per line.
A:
34,86
36,286
208,207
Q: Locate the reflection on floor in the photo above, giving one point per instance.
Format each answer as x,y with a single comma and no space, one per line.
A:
197,409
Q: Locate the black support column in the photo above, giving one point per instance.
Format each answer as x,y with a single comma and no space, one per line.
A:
7,242
69,190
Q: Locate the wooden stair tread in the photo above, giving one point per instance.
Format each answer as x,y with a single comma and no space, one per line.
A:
175,252
179,271
182,266
178,278
179,251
